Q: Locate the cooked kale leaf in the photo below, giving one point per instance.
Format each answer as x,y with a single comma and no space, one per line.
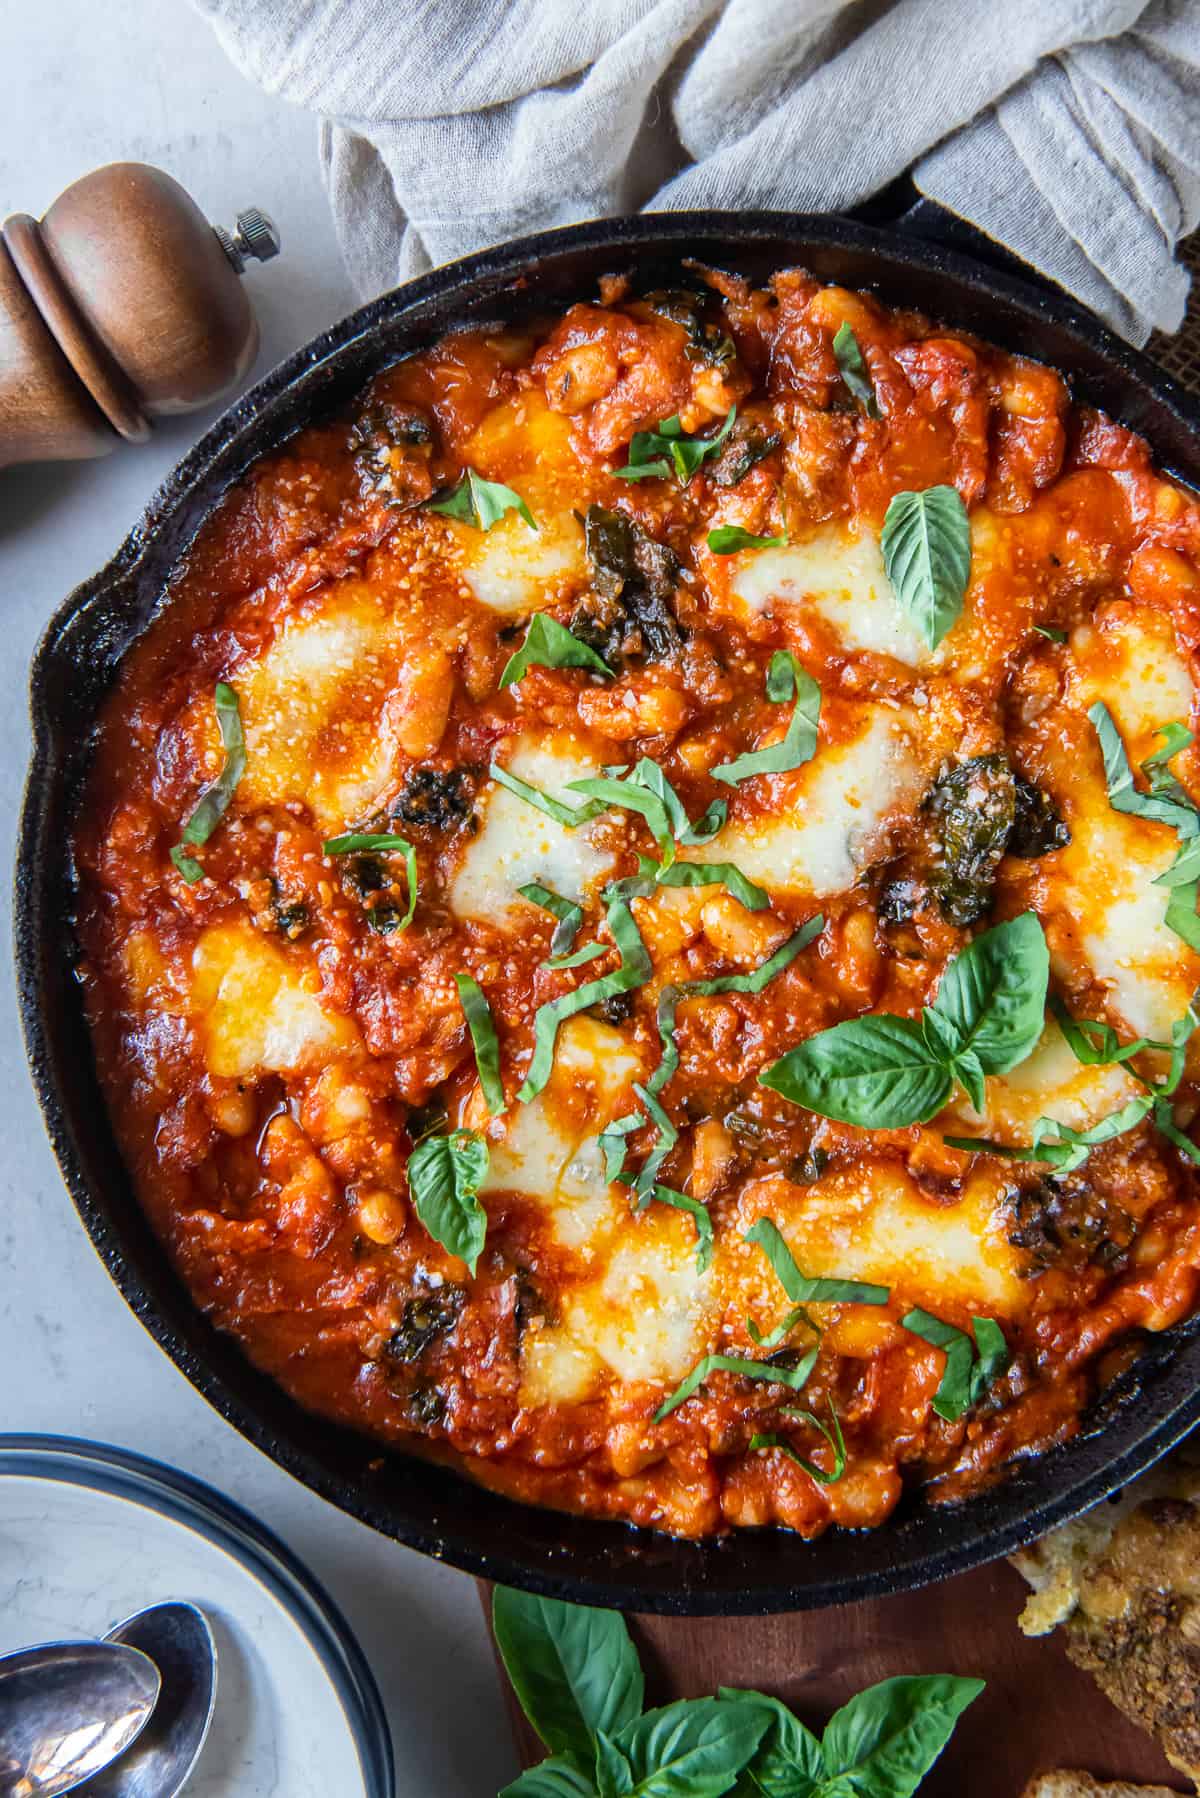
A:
435,798
746,444
391,445
972,806
425,1317
629,617
699,314
1038,828
1065,1223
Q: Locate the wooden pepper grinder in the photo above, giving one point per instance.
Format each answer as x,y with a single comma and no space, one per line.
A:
121,305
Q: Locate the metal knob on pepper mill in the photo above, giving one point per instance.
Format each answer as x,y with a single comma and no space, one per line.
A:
121,305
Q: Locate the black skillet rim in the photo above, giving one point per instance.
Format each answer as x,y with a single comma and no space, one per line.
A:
432,1509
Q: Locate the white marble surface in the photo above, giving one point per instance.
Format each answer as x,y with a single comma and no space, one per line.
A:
87,83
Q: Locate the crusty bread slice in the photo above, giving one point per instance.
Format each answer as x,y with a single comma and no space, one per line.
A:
1067,1784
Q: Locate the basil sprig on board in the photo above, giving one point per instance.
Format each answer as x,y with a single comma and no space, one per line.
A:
481,503
885,1072
215,800
855,372
577,1677
444,1177
926,544
1166,803
654,455
785,678
549,644
971,1366
635,970
366,843
478,1014
727,539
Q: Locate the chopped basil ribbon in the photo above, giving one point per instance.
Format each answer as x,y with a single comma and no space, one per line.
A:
357,843
926,544
855,372
785,677
883,1073
568,913
836,1441
444,1177
550,645
727,539
1056,1144
1166,802
215,800
478,1014
682,1201
653,455
1051,633
970,1368
570,815
794,1378
711,874
802,1288
635,970
782,1330
481,503
1183,879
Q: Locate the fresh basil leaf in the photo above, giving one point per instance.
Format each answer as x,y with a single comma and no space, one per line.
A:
877,1072
794,1378
557,1777
614,1775
834,1438
1181,914
1051,633
727,539
683,1201
653,454
573,1667
1182,1031
785,677
668,1136
1174,808
1175,737
570,815
926,544
216,798
478,1014
671,997
692,1749
359,842
970,1366
788,1762
635,970
888,1737
481,503
800,1287
993,995
550,645
708,874
613,1145
444,1176
855,372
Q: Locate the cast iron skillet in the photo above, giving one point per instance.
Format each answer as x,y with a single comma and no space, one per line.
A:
426,1507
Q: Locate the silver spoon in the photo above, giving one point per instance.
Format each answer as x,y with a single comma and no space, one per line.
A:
178,1640
66,1709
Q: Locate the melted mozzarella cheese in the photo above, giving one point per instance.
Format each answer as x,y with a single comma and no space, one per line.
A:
518,844
838,574
313,708
837,804
548,1150
1049,1083
253,1009
1103,882
872,1222
513,569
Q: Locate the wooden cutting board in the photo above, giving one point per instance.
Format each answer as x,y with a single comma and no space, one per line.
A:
1038,1711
